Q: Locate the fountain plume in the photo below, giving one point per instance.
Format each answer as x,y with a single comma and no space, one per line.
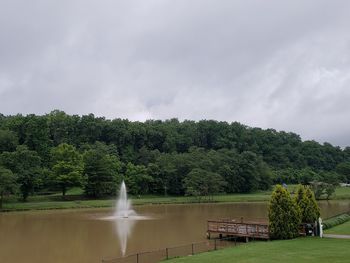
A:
124,218
123,206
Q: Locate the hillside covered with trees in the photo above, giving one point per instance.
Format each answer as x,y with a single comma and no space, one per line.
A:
57,151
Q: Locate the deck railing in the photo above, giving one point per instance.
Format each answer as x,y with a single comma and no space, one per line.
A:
239,228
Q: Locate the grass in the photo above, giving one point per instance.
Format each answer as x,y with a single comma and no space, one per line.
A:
308,250
342,193
343,229
75,199
55,201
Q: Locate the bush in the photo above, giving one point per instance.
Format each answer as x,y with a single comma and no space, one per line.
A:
309,209
334,221
284,215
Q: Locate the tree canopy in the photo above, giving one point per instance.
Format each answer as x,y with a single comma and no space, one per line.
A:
57,150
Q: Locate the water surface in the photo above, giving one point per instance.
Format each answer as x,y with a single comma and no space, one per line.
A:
81,236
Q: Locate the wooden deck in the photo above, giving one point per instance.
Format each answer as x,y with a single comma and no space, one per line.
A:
238,228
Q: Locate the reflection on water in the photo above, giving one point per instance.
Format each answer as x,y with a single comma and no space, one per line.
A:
124,227
81,235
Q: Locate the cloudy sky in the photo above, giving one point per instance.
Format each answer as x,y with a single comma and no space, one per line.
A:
272,63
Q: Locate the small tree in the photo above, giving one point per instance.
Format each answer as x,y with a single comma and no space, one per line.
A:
8,183
313,204
284,215
322,188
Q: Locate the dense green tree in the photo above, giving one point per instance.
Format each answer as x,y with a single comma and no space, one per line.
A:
37,136
67,166
200,182
254,171
232,178
26,164
284,215
137,179
343,169
8,184
63,127
8,141
242,155
101,172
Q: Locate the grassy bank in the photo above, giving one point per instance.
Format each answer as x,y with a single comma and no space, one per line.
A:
308,250
75,199
343,229
36,203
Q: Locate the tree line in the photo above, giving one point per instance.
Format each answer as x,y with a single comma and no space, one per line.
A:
57,151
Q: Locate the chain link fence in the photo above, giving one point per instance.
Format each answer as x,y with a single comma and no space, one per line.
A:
172,252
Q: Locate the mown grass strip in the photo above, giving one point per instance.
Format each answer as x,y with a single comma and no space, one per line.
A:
301,250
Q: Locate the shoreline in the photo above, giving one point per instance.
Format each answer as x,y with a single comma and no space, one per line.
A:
157,200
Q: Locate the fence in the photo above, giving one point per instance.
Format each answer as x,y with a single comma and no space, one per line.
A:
172,252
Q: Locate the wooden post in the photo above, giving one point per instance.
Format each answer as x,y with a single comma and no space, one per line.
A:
192,249
167,253
137,258
214,244
235,241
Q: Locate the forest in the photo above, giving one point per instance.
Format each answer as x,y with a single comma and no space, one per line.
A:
56,151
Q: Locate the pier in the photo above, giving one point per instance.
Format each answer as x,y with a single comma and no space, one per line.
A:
238,228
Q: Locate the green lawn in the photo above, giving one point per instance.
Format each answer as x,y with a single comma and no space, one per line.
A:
342,193
75,199
343,229
308,250
54,201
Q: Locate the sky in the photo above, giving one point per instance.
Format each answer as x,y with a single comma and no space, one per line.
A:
269,64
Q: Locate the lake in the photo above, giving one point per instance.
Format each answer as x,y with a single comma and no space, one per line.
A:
81,235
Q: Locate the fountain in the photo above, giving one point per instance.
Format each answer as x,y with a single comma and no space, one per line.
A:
123,206
124,218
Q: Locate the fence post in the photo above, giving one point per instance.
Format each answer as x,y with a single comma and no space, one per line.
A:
214,244
167,253
235,241
192,249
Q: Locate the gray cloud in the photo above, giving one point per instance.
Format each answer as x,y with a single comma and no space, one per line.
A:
279,64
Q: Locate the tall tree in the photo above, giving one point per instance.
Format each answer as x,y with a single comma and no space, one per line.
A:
26,164
101,172
137,179
343,169
8,184
8,141
67,166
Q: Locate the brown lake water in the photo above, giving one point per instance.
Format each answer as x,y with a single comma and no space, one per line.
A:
81,235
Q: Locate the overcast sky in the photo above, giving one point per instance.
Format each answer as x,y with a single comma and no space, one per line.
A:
279,64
